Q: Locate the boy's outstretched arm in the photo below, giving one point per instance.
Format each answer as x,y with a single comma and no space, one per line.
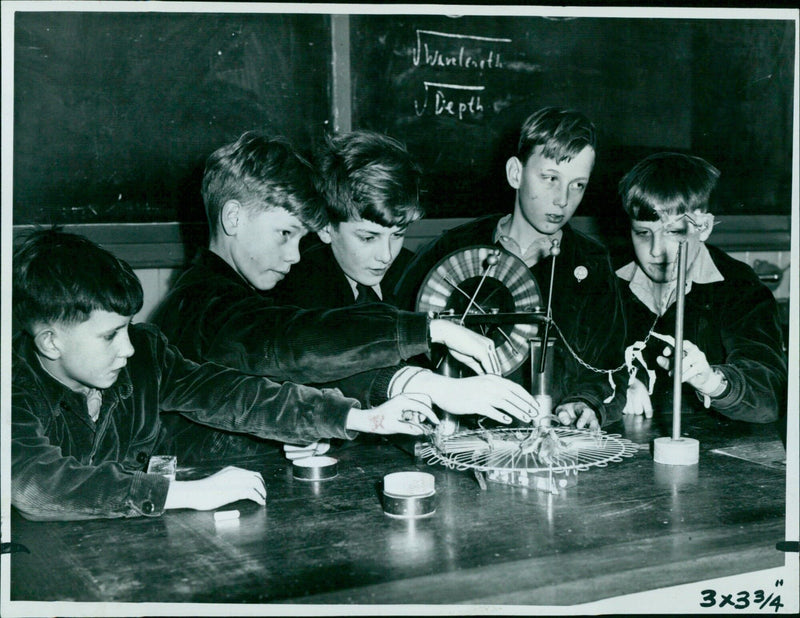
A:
228,324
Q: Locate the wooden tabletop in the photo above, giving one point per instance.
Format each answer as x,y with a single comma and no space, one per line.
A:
631,526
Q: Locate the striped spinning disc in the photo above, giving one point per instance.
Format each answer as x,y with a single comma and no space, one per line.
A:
485,279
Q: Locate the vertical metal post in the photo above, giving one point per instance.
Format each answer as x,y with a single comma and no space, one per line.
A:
448,423
541,378
677,375
554,251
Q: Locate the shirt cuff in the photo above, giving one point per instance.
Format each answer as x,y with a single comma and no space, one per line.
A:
731,396
401,378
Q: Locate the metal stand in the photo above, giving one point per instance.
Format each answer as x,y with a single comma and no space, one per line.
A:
448,423
541,382
678,451
542,377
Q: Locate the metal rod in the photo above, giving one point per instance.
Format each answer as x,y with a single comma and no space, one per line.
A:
677,376
482,310
491,261
538,385
491,319
554,251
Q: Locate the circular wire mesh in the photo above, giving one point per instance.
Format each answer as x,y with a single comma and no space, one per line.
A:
561,450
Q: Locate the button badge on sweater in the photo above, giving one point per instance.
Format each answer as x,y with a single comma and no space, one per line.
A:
580,273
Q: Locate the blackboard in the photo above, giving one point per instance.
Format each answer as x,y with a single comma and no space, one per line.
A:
456,90
115,113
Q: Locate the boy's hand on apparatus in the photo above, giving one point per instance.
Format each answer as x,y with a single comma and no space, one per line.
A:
228,485
488,395
475,351
638,401
579,413
401,414
696,370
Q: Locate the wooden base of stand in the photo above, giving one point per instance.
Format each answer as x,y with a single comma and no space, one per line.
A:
680,452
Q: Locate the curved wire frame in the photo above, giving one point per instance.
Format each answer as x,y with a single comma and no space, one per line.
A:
445,283
504,450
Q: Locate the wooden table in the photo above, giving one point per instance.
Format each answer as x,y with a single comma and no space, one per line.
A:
629,527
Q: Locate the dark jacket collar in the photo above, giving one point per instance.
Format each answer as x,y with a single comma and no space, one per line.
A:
207,259
209,262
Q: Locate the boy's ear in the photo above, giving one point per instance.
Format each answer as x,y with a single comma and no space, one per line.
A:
325,234
46,344
230,216
514,172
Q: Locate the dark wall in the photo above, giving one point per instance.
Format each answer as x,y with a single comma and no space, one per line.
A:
115,113
457,89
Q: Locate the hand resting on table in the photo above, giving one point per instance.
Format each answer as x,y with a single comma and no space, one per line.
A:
228,485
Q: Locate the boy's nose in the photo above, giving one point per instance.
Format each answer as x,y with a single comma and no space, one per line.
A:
126,349
561,198
656,245
384,253
292,253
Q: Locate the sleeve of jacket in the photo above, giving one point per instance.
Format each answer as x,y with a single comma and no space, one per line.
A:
755,366
602,346
307,346
46,485
224,398
371,388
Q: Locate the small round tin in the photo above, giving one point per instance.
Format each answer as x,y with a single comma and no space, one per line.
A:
315,468
409,495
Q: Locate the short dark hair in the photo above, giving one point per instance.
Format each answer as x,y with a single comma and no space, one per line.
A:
562,134
62,277
371,176
261,172
667,183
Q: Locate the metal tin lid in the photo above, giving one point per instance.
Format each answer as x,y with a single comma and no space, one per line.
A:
315,468
409,484
409,495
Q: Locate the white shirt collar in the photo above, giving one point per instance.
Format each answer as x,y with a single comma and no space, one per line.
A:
531,254
702,270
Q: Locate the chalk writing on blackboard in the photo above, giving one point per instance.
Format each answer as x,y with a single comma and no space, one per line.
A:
457,103
440,52
449,52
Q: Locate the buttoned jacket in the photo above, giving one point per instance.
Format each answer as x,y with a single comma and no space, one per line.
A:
586,308
65,466
735,323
